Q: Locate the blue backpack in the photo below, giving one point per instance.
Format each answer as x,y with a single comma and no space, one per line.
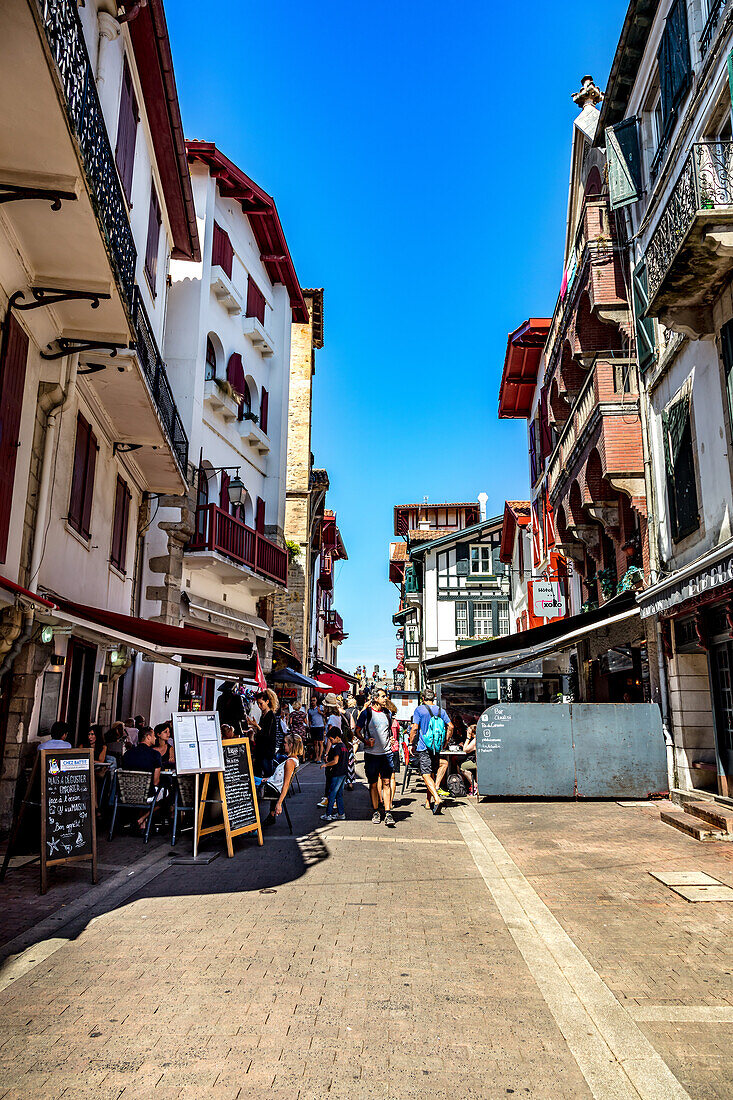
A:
434,735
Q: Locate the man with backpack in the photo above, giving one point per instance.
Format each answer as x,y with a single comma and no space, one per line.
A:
433,728
374,728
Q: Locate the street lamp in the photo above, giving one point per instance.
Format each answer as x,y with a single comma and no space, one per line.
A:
236,490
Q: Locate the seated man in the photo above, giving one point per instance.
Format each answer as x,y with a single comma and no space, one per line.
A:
144,758
59,738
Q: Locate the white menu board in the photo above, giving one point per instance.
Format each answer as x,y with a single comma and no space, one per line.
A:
197,741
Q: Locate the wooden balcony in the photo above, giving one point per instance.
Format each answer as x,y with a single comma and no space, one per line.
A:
220,533
335,625
325,577
604,418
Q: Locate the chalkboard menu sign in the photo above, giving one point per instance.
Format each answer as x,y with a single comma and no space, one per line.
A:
238,786
68,809
237,795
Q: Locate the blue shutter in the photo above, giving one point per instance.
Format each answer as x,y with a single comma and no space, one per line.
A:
645,336
624,163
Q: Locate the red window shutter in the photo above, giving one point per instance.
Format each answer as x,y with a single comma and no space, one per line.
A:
126,132
260,515
235,373
82,477
222,253
264,406
120,525
86,514
545,433
13,358
255,301
151,248
81,448
224,494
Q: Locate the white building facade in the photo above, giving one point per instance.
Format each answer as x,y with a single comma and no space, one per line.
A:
228,343
96,198
666,124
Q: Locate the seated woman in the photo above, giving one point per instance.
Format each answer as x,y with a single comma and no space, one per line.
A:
277,785
94,740
163,744
468,767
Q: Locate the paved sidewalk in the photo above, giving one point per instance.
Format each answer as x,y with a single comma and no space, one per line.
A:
451,957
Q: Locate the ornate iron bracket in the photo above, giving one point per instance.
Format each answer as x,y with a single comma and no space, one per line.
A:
91,368
9,192
50,296
66,346
125,448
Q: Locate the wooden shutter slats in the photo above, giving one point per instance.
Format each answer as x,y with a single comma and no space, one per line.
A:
126,132
82,478
120,524
222,252
264,409
151,246
260,516
13,357
255,301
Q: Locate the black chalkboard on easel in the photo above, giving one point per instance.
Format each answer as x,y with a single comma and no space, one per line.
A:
237,795
68,809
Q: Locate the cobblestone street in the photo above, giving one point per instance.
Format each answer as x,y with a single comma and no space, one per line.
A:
504,949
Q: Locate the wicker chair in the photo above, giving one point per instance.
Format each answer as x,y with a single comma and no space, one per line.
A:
134,791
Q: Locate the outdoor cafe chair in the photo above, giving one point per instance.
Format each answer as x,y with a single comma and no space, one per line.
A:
134,791
184,801
267,791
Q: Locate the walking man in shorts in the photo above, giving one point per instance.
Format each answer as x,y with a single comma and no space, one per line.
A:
429,758
374,728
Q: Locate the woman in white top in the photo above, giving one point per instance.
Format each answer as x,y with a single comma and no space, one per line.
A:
282,776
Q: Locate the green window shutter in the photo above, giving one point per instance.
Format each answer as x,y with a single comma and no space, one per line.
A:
673,58
462,566
624,163
680,466
669,473
645,335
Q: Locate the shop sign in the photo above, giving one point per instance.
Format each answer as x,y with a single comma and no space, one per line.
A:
713,577
548,601
400,652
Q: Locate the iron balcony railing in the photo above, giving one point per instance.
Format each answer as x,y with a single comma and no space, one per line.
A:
222,533
65,38
157,378
704,184
711,25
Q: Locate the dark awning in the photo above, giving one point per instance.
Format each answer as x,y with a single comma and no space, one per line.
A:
502,654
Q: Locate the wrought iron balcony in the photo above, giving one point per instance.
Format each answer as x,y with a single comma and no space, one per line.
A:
711,25
157,378
222,533
63,29
687,259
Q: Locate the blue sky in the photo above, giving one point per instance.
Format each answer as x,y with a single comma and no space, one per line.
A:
419,158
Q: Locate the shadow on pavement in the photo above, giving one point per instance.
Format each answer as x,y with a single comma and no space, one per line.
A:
129,869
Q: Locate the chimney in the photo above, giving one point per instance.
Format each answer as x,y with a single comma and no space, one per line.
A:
482,502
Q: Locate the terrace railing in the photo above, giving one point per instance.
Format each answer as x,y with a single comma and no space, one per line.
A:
222,533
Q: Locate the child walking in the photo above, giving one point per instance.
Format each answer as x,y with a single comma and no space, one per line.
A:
336,768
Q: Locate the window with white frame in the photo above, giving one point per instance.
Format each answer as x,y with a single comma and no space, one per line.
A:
503,618
483,620
481,559
461,619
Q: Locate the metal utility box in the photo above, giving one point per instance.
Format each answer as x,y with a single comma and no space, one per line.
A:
571,750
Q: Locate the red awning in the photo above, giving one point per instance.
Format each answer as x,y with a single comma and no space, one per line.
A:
336,683
521,364
23,594
196,650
